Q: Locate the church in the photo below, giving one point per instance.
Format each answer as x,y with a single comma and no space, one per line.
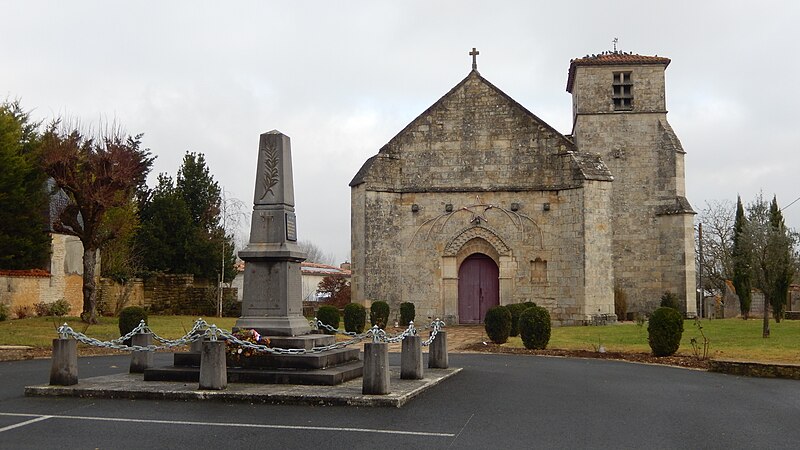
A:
478,202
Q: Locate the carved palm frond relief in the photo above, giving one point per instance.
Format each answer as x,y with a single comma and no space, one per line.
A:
270,178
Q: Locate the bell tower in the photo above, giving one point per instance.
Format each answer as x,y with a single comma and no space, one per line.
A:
619,112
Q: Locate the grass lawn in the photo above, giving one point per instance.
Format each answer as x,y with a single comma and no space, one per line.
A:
729,339
40,331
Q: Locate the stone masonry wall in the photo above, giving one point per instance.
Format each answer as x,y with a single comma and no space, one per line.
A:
408,252
473,148
653,247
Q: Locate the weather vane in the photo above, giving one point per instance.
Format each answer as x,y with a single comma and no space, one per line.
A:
474,53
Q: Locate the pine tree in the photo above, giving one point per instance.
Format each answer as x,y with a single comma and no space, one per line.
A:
24,241
742,256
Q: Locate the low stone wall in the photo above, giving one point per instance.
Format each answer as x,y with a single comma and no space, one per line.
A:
182,294
112,296
753,369
792,315
21,288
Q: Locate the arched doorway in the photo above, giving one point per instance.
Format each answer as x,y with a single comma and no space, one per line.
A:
478,287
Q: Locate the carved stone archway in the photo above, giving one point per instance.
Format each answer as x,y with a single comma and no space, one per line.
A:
469,241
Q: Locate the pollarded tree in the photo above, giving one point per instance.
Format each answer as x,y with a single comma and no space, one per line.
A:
24,242
741,256
97,174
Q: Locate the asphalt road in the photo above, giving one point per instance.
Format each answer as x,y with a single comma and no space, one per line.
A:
498,401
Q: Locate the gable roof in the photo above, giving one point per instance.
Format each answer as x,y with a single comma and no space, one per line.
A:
615,58
474,74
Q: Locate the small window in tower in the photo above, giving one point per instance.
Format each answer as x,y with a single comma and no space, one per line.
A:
622,91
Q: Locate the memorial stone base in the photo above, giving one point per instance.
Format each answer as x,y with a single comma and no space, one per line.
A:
328,368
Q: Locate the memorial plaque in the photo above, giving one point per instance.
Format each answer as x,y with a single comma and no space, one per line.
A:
291,227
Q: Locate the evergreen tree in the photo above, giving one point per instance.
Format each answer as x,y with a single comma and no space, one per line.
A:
772,260
199,190
24,241
741,255
166,229
781,266
181,231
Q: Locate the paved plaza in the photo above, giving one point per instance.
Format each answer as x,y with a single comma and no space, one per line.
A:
496,401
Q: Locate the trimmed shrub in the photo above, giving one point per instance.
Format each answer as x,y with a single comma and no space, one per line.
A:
670,300
355,317
534,328
129,319
379,314
664,331
407,313
42,309
3,312
60,308
329,315
498,324
516,309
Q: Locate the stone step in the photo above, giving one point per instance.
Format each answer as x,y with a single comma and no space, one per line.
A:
327,377
269,361
306,341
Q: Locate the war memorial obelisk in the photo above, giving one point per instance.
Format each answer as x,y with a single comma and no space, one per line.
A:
272,298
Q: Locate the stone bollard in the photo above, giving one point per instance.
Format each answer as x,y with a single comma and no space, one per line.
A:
141,359
64,371
437,355
197,346
213,368
411,358
376,369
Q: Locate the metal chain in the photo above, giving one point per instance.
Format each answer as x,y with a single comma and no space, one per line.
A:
202,329
436,325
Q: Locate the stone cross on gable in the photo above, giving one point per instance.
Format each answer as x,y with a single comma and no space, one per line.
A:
474,53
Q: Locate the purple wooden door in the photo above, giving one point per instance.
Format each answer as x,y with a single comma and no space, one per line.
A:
478,288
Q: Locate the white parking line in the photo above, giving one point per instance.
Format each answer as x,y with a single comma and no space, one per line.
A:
39,417
27,422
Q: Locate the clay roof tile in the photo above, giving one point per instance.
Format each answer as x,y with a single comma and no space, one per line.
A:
611,59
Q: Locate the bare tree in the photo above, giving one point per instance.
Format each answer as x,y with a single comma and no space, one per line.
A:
315,254
717,218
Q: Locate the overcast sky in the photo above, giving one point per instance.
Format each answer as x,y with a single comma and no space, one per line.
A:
341,78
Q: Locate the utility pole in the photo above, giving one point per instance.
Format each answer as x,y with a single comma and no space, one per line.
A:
222,266
702,290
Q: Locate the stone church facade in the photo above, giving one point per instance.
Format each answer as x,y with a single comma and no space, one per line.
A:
479,202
